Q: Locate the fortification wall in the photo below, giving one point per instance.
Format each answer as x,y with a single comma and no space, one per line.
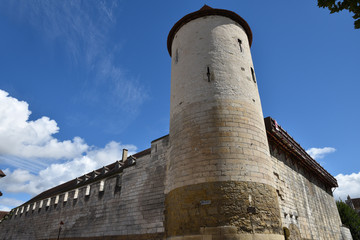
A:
134,211
306,204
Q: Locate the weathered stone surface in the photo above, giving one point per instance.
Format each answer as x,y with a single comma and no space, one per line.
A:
219,162
217,130
305,202
136,211
213,178
149,236
201,208
345,233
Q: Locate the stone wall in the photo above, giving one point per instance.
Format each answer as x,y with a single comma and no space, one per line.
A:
219,152
308,209
132,211
136,211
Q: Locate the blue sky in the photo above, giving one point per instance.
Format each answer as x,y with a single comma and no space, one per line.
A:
80,80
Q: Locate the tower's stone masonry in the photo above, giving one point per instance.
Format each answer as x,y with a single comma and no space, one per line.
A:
218,145
221,174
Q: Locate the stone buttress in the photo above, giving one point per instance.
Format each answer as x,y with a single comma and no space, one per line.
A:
219,175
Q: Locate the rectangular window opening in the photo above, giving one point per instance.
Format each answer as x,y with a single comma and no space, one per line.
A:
102,184
76,193
66,196
87,191
240,46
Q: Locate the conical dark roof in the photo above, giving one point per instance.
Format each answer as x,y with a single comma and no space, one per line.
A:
206,11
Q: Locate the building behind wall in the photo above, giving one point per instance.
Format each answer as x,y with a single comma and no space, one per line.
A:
223,172
354,203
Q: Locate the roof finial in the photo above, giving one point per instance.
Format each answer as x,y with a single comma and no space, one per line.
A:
205,7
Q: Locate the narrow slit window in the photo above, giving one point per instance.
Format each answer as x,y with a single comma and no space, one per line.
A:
253,75
240,46
176,56
119,181
208,73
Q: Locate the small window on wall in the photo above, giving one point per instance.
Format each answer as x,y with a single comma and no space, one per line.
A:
240,45
253,75
176,56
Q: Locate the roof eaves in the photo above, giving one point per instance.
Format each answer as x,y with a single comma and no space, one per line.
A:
281,137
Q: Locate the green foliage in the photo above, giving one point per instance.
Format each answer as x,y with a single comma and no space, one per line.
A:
353,6
350,218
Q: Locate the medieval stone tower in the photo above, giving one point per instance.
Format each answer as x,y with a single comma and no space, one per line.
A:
219,172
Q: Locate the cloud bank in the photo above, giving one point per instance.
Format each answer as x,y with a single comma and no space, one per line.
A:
349,184
22,138
36,159
6,202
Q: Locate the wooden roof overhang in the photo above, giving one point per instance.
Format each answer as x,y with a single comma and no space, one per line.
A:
280,137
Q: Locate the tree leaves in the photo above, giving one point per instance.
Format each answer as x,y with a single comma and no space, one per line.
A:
350,218
353,6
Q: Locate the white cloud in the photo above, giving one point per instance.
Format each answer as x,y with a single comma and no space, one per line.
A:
23,181
21,138
7,203
348,185
318,153
27,146
37,159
